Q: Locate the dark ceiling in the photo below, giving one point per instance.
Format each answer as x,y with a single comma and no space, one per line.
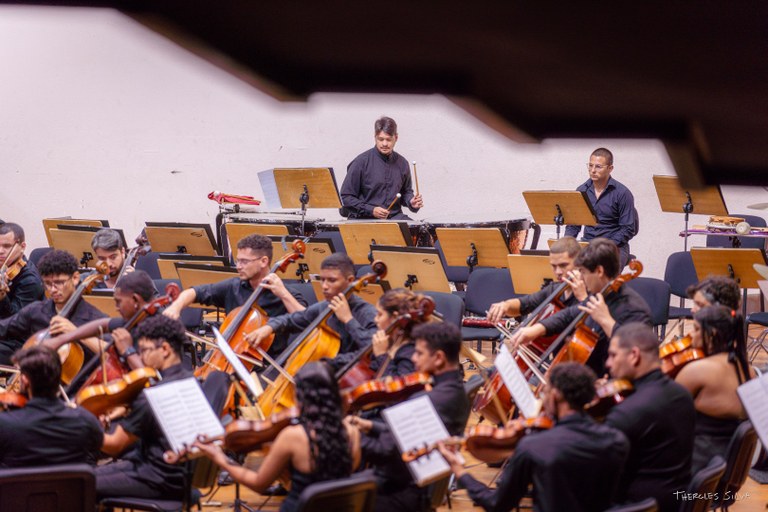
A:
693,74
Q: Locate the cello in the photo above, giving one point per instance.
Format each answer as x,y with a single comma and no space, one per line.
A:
317,341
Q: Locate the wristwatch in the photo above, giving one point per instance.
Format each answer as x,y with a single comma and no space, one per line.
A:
125,355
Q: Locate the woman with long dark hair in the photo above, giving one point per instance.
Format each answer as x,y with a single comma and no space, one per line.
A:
320,447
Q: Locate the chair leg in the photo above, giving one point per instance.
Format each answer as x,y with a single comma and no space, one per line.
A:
756,345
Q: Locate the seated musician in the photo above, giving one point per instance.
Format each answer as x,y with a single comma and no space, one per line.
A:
143,473
715,290
108,247
712,381
658,419
574,466
28,436
437,353
60,278
254,258
598,264
26,287
562,254
352,319
320,447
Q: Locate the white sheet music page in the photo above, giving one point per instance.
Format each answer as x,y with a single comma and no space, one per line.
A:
516,384
415,423
183,412
240,369
754,396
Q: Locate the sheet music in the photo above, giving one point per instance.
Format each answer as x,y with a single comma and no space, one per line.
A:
516,384
240,370
415,423
183,412
754,396
269,188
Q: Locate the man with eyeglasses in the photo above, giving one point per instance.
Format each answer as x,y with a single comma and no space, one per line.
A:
613,203
254,258
60,278
25,287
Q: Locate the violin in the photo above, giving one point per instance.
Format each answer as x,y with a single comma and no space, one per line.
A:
10,400
101,398
676,353
376,393
9,272
314,343
608,394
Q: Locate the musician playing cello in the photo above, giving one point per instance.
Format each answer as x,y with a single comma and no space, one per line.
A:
574,466
598,264
254,257
108,247
26,286
562,254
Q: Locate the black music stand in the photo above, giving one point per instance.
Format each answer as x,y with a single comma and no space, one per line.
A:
416,268
673,198
317,249
359,236
194,239
560,208
76,240
486,247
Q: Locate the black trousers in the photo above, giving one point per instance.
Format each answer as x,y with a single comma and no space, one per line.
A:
121,480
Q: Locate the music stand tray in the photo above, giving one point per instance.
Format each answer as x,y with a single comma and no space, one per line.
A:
283,187
417,268
317,249
194,239
734,263
76,240
528,272
360,236
53,223
370,293
191,274
237,231
550,241
488,244
103,300
560,207
673,197
166,262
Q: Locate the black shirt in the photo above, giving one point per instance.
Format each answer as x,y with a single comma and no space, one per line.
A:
375,180
400,364
625,306
24,289
47,432
658,419
233,293
615,210
575,466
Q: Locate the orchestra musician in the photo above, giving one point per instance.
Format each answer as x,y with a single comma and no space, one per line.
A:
26,286
46,431
574,466
562,255
352,319
436,352
658,419
142,472
376,177
319,448
108,247
60,278
598,264
613,203
254,258
715,290
712,381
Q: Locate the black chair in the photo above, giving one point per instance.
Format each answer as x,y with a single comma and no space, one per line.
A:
354,494
60,488
148,263
456,274
756,344
306,291
680,274
656,293
647,505
192,318
704,483
449,305
36,254
738,460
485,287
745,242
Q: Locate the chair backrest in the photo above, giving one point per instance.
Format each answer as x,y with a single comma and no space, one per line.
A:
38,253
746,243
61,488
335,237
472,386
455,274
738,459
680,273
306,291
704,483
190,317
148,263
656,293
354,494
487,286
647,505
449,305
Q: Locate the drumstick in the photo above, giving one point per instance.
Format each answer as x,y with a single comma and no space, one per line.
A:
415,177
394,201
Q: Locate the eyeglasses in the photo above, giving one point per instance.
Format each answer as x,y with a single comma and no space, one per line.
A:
599,167
59,283
241,262
144,350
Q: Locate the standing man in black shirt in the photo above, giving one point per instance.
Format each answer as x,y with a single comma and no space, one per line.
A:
574,466
61,279
658,419
45,431
108,247
26,287
375,178
143,473
254,259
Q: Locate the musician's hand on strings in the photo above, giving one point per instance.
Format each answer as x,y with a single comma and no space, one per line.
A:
527,334
340,308
453,458
359,423
61,325
577,284
380,343
596,307
276,285
213,451
497,311
123,340
417,201
254,338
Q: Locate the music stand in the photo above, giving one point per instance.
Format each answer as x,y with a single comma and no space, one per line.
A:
550,241
313,187
529,272
53,223
487,247
317,249
166,262
360,236
560,208
191,274
673,198
76,240
416,268
236,231
738,264
103,300
370,293
194,239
